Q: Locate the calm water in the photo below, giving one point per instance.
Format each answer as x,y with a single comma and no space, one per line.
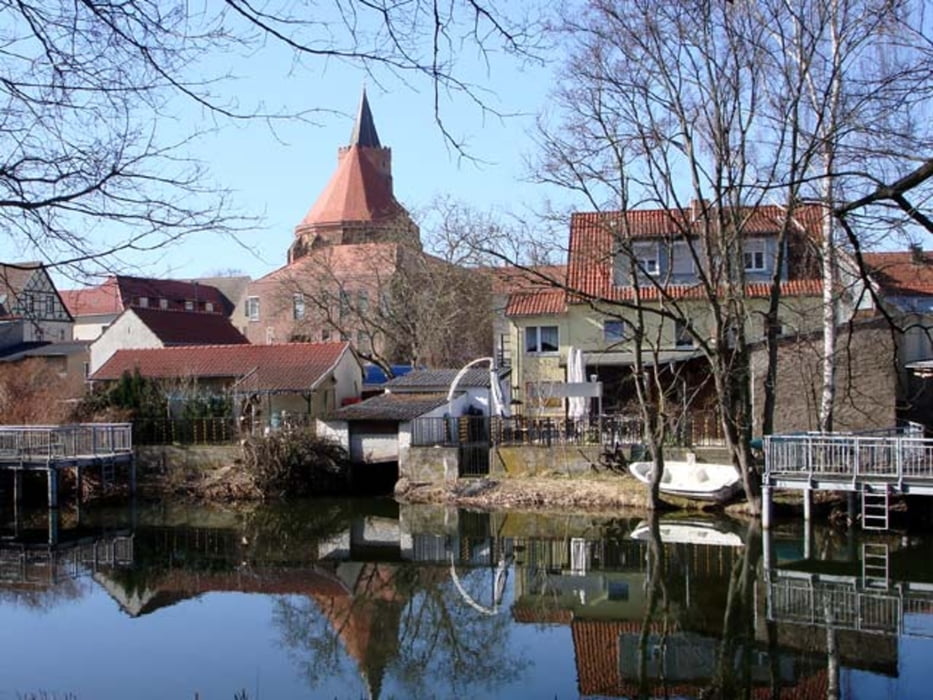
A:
367,599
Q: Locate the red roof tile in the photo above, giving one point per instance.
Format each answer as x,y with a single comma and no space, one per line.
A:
902,273
284,367
513,279
357,191
535,303
190,327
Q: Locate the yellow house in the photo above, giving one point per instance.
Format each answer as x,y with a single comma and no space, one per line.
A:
620,262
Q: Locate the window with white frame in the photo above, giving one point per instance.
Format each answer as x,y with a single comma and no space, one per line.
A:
270,335
613,330
252,308
541,339
298,306
209,307
163,303
189,305
646,257
754,254
144,302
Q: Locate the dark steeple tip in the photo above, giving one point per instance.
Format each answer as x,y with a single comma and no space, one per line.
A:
364,131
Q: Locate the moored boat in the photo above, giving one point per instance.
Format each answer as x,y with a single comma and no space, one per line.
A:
699,480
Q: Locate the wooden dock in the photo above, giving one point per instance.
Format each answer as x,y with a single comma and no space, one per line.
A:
871,465
52,448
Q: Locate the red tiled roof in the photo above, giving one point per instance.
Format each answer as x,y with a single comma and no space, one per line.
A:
512,279
902,273
120,292
592,241
553,301
103,299
190,327
357,191
534,303
284,367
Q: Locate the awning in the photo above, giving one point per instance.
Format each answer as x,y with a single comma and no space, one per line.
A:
627,359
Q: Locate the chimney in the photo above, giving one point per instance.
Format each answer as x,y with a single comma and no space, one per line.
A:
916,253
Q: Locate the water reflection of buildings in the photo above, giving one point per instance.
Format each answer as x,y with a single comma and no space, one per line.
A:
43,549
860,605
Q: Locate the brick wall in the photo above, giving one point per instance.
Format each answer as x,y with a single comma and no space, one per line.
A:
866,380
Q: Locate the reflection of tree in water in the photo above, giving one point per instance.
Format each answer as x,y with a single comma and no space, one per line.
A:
735,659
402,620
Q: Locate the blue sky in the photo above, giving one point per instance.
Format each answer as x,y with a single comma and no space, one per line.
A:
276,172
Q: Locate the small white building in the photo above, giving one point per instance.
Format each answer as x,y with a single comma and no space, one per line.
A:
138,329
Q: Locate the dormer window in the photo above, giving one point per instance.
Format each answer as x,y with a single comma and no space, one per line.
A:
646,257
189,305
754,253
163,303
144,302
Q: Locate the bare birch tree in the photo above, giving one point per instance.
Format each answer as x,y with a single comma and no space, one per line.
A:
711,111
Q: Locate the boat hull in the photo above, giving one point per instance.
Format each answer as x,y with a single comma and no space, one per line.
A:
695,480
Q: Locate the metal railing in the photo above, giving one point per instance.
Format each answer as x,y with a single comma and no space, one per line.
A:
608,431
855,456
34,442
843,605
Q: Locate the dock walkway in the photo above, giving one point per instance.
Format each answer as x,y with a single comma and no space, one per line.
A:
873,465
52,448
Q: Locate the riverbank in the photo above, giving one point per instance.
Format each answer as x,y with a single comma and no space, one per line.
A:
592,493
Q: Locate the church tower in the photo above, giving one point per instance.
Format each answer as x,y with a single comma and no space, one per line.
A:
358,204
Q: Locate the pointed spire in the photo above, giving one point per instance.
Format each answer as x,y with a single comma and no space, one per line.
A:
364,131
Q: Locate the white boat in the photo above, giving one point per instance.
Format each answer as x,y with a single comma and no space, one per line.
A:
701,480
691,531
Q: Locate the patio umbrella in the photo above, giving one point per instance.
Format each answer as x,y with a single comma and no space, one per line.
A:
576,374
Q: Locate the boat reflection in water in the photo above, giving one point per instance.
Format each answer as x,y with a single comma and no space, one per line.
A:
681,529
368,598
